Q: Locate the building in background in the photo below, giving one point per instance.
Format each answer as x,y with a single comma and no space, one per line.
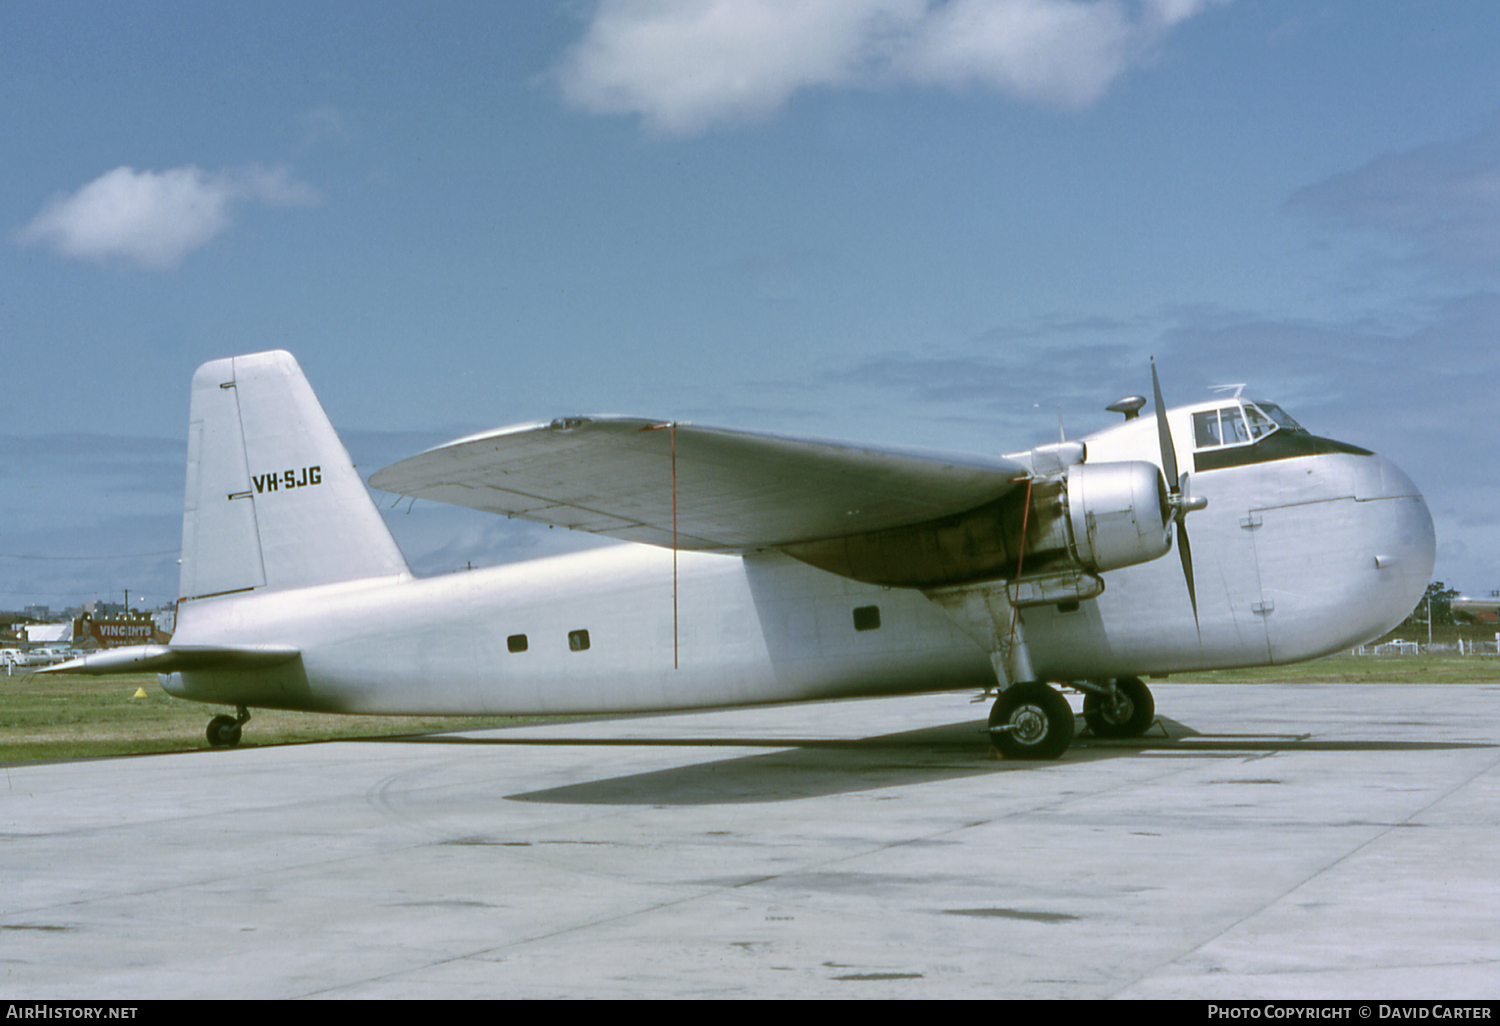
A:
136,628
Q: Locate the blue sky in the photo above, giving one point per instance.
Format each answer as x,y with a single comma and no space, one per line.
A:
910,221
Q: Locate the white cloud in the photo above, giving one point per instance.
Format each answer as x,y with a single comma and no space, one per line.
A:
684,65
155,218
1444,197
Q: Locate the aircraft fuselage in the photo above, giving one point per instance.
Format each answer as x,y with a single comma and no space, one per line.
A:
1298,554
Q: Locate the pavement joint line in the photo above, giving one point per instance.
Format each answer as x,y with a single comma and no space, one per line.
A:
1380,831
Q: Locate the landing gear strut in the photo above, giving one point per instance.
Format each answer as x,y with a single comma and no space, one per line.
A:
1031,721
224,731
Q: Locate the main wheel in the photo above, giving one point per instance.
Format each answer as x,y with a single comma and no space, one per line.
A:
1128,714
223,732
1031,721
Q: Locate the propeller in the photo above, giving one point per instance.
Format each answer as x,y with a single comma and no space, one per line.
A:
1179,504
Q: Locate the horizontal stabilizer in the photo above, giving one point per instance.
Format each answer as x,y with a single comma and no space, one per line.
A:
702,488
176,659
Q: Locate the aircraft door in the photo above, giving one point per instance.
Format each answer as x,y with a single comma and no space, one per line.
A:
1305,564
1238,573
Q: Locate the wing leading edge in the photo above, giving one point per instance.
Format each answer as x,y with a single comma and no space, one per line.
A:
735,490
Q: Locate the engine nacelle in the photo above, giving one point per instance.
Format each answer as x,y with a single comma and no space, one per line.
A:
1118,514
1077,518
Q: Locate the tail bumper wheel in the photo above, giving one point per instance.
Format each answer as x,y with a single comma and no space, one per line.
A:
224,731
1031,721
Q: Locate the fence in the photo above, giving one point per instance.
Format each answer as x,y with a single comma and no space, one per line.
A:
1461,646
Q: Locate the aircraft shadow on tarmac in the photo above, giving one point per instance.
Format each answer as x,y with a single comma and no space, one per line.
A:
817,767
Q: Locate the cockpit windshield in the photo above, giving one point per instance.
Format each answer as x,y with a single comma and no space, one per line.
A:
1277,414
1239,432
1239,423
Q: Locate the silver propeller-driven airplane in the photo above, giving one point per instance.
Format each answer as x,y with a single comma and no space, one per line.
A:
773,569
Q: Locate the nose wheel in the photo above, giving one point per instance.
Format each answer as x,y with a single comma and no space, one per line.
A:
1030,720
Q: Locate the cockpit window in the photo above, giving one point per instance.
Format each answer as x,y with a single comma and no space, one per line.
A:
1232,426
1206,429
1260,424
1242,432
1224,426
1239,424
1277,414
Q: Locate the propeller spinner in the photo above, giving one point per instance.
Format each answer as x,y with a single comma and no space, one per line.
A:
1179,503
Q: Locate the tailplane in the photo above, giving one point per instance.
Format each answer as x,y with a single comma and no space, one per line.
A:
273,500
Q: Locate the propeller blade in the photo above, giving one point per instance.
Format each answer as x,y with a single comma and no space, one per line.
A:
1186,552
1177,488
1164,433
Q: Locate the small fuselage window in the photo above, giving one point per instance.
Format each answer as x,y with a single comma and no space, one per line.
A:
578,641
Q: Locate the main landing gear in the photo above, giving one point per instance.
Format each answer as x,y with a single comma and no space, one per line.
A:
224,731
1030,720
1125,709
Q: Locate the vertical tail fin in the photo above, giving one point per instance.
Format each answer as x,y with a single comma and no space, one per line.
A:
273,500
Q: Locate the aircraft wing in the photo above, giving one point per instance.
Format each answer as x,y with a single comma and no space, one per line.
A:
735,490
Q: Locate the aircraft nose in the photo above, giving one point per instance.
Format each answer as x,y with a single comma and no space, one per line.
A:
1346,560
1402,535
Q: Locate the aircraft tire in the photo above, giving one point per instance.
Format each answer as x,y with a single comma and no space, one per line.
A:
223,732
1031,720
1129,716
